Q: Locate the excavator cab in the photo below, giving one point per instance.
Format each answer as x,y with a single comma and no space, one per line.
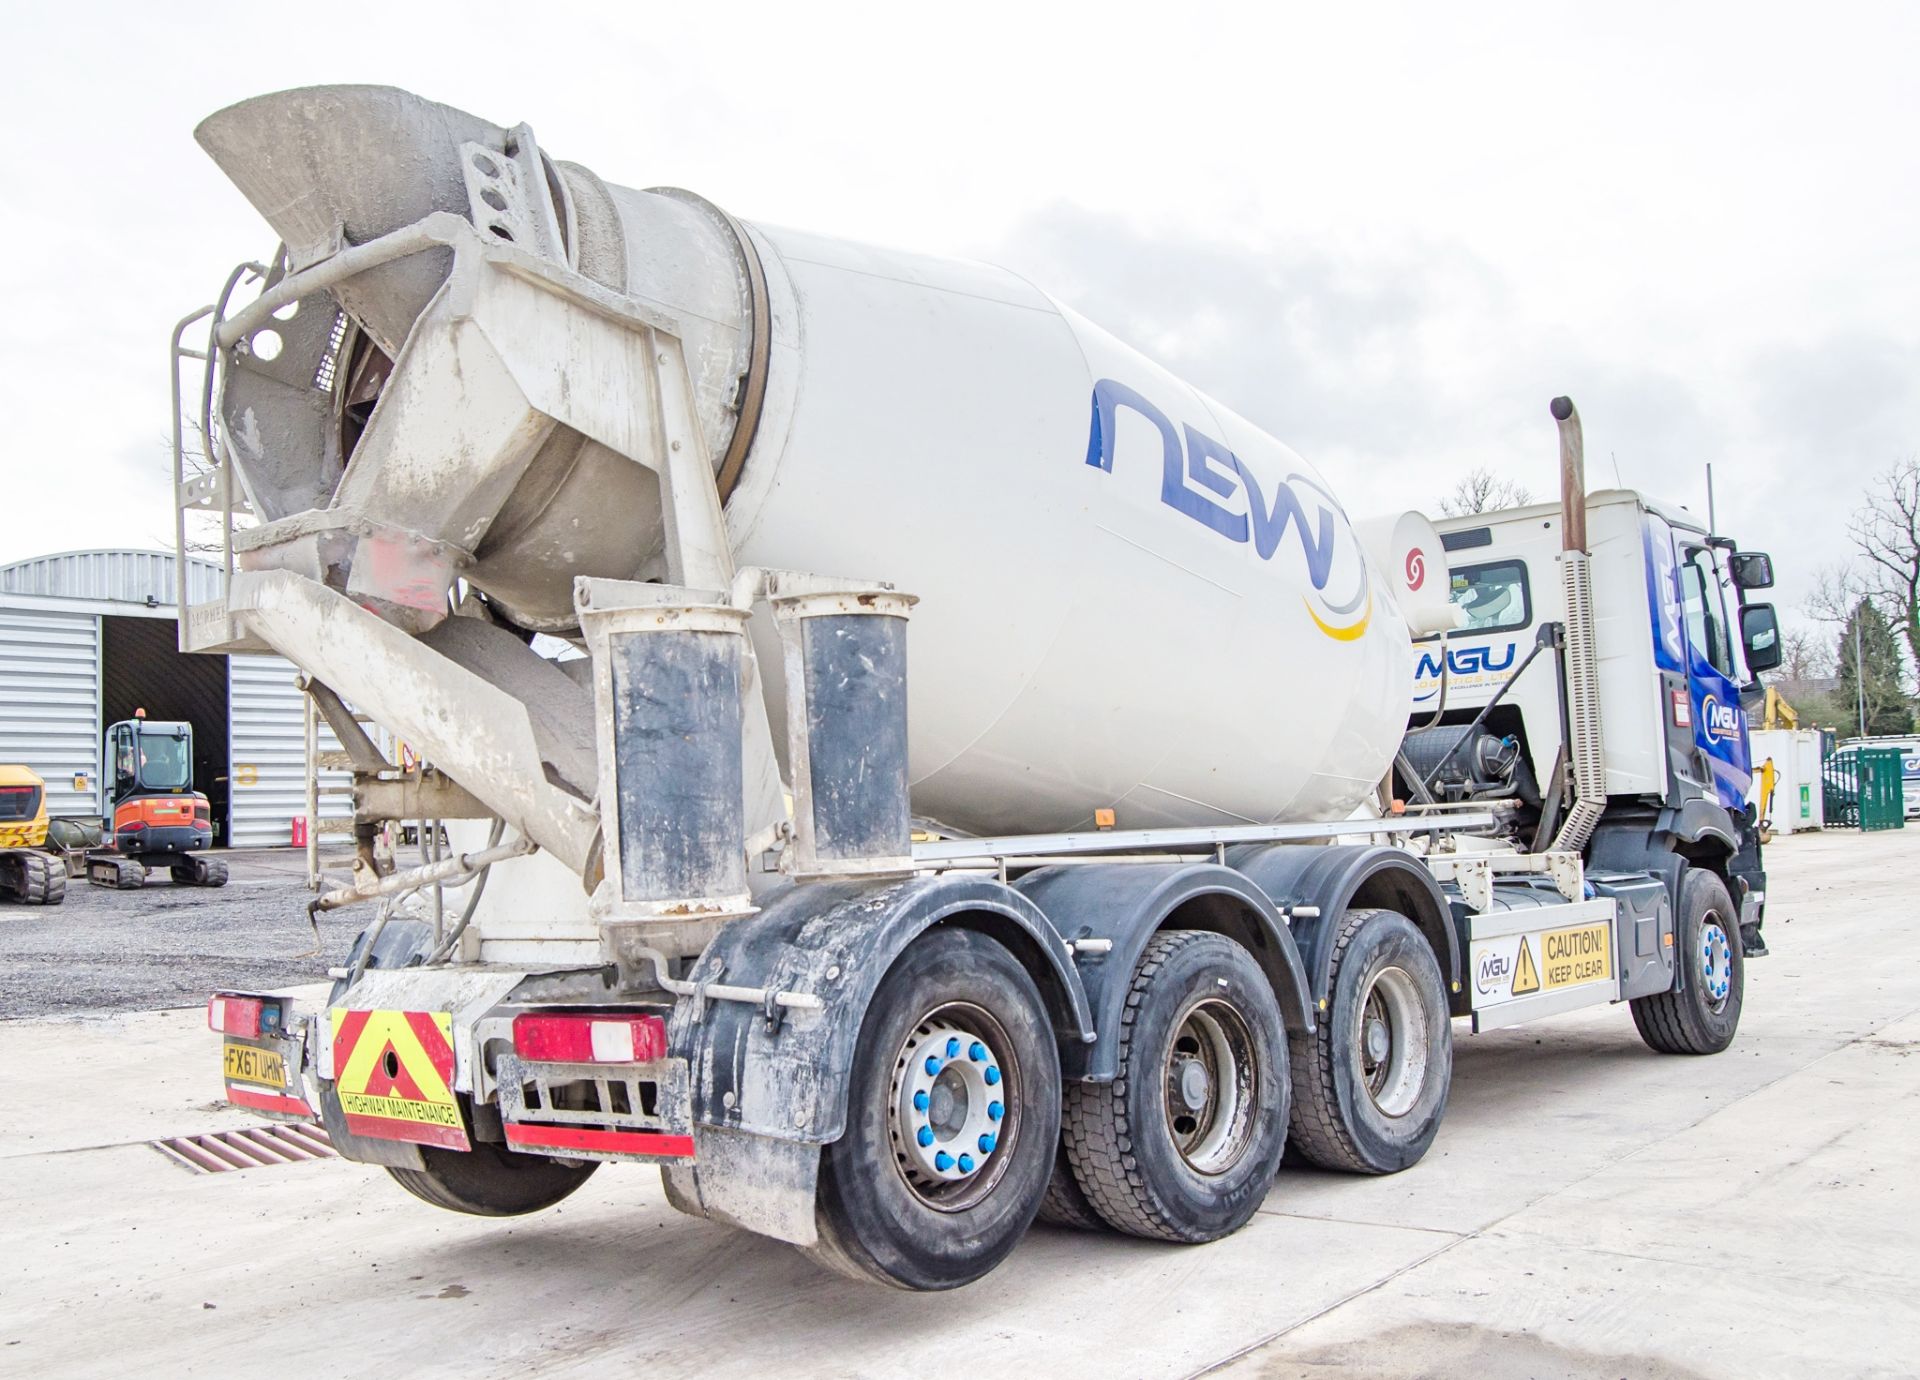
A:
155,817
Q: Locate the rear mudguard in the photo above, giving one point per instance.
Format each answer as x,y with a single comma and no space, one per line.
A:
836,940
1333,879
1125,904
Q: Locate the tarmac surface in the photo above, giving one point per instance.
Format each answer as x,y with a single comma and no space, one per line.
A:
167,945
1590,1209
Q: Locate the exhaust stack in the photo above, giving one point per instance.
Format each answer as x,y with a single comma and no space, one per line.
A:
1585,743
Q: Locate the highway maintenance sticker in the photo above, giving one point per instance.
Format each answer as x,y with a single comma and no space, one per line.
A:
1521,965
394,1076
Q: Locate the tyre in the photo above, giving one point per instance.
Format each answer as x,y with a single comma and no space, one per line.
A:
953,1116
1370,1085
1702,1016
1065,1203
491,1181
54,885
1183,1144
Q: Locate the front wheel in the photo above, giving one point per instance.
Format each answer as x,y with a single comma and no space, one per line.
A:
492,1181
1371,1084
952,1119
1701,1016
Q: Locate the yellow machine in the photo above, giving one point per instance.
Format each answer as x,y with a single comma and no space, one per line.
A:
27,874
1779,713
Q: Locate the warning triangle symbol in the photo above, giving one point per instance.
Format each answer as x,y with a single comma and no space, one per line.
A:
391,1078
1526,977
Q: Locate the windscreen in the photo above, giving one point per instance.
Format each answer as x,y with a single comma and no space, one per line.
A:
166,762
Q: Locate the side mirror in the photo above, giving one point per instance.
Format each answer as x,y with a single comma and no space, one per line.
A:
1760,635
1751,569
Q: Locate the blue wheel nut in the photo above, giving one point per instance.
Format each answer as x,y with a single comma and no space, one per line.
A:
976,1052
966,1164
995,1111
933,1063
986,1144
926,1136
992,1075
953,1047
920,1100
943,1161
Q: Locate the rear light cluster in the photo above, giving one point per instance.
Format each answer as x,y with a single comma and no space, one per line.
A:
249,1018
546,1037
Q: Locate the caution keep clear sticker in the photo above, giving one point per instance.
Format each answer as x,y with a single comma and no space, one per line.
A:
394,1076
1521,965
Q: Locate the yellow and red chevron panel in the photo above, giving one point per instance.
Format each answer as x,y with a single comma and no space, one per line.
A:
393,1072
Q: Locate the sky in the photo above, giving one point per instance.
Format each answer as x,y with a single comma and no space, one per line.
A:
1386,234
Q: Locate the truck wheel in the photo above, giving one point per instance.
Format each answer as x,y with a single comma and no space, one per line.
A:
490,1181
952,1118
1702,1016
1183,1144
1065,1203
1370,1085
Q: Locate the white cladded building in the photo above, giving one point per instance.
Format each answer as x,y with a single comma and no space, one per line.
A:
88,637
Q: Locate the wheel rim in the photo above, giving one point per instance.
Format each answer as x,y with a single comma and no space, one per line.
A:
1392,1041
1716,963
1211,1071
953,1107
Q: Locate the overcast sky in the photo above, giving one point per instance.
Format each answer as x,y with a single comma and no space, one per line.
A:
1387,234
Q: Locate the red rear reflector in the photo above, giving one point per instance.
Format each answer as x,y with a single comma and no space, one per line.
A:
1682,710
589,1039
235,1016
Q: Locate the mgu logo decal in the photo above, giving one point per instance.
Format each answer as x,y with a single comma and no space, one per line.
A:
1720,721
1463,661
1202,466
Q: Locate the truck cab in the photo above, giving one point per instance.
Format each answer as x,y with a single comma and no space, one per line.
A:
1679,647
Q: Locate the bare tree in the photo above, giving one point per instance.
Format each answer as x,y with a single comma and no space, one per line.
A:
1886,532
1803,658
1835,591
1483,491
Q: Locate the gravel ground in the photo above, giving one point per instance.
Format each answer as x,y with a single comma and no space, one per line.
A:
169,945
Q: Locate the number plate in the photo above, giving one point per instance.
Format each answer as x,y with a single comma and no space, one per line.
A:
250,1064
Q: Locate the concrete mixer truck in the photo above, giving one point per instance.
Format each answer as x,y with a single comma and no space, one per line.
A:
913,764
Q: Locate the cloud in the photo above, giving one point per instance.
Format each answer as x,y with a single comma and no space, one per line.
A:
1395,369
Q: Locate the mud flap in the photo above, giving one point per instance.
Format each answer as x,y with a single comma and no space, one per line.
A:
754,1182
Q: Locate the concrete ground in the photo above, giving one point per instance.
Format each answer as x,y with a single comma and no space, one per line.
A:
1590,1210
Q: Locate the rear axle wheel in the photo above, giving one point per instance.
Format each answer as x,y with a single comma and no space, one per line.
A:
1370,1085
1183,1144
952,1118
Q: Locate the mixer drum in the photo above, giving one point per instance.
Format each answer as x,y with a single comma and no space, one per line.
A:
1129,595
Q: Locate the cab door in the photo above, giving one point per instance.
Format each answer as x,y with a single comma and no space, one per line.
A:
1714,671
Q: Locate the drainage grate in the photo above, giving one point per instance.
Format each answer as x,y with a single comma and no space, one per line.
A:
249,1148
